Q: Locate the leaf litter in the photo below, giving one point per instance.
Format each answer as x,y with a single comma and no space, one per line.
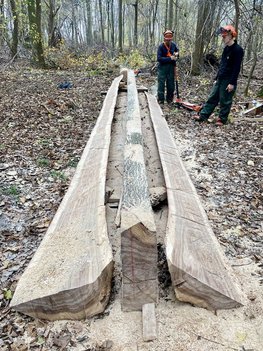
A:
43,132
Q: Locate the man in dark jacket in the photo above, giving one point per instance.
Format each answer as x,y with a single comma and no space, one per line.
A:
226,80
166,56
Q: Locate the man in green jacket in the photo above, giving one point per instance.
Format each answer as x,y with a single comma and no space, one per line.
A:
226,80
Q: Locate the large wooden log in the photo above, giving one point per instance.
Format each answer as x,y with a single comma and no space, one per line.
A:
138,232
70,275
198,268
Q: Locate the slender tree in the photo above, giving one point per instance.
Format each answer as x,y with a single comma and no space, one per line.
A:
112,25
52,12
101,21
2,22
170,15
89,36
136,23
202,34
15,15
120,27
237,14
34,16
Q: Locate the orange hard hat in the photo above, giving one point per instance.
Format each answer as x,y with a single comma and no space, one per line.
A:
228,29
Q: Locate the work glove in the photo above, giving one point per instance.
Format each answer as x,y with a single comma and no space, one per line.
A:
174,57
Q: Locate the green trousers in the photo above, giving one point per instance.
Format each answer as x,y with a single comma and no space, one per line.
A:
220,95
166,77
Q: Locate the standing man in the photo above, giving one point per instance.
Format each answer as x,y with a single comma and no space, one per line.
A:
166,56
226,79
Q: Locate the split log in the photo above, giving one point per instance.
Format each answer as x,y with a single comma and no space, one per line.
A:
198,268
70,275
138,232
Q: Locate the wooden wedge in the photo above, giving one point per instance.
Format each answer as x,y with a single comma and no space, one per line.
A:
138,232
70,275
199,271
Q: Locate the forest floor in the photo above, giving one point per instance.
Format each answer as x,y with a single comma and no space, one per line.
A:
43,131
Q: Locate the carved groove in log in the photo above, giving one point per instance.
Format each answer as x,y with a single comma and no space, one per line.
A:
138,238
199,271
70,275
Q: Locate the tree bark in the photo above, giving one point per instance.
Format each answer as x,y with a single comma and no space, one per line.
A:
89,37
52,38
15,15
136,23
120,27
101,22
2,21
34,15
237,14
112,25
201,35
170,15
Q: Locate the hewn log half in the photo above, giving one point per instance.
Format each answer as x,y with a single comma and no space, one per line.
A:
70,275
138,238
199,271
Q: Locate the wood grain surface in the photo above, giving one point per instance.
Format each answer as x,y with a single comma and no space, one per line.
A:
199,271
138,238
70,275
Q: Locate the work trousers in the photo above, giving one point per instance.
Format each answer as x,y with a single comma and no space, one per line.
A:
220,95
166,77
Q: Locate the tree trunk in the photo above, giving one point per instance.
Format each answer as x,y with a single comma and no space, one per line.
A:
101,22
201,35
176,22
237,15
34,16
257,45
108,21
136,23
52,35
112,25
89,23
74,26
2,21
166,14
15,28
170,15
120,27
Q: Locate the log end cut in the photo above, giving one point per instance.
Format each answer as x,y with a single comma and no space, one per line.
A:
139,268
189,289
76,303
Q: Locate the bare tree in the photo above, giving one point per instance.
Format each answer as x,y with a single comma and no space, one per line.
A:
135,23
89,37
15,15
120,27
101,21
34,16
237,15
170,15
112,25
202,34
52,12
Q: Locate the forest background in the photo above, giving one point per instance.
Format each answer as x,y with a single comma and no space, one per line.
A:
68,33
